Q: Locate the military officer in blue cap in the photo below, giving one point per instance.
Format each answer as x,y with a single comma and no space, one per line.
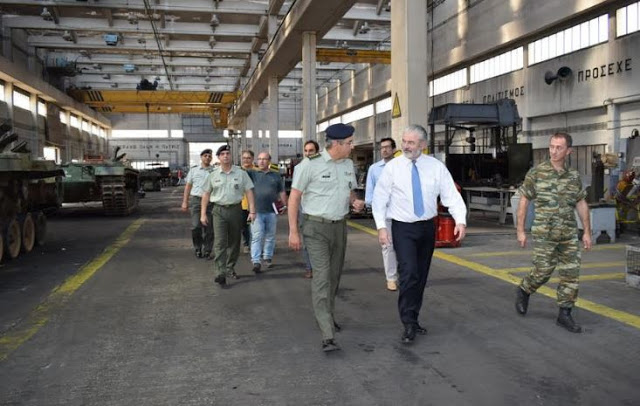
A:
324,183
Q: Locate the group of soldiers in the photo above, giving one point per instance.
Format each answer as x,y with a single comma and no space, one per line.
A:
404,203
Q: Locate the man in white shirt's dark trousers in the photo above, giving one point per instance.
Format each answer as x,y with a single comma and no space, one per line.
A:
407,192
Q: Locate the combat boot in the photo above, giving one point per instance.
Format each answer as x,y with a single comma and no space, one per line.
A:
565,320
522,301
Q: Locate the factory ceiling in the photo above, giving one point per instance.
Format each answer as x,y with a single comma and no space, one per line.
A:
185,45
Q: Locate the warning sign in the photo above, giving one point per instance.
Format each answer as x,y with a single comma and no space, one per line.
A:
395,112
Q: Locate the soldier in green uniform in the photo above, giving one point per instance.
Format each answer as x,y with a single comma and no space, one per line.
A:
225,187
557,191
324,183
202,236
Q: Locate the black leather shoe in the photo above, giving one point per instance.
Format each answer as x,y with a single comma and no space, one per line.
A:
256,268
234,275
329,345
337,327
421,330
522,301
206,255
565,320
221,280
198,254
409,334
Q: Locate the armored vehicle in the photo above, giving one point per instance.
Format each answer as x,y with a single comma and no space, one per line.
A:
150,181
111,181
28,189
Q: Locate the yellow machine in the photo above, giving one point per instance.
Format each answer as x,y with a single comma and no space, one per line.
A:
627,201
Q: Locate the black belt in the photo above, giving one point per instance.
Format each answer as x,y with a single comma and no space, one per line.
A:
320,219
226,206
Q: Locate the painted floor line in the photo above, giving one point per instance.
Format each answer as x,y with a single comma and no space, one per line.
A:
599,277
618,315
528,251
14,338
590,265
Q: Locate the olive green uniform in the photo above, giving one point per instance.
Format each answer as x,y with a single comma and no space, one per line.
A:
226,191
554,231
326,186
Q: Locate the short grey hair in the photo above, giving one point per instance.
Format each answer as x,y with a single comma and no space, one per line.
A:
418,129
329,142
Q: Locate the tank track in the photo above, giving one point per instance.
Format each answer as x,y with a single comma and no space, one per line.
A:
117,200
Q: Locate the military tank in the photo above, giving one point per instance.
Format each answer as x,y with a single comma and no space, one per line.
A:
150,181
28,189
95,179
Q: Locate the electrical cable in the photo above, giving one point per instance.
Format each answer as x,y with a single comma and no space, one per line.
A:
149,12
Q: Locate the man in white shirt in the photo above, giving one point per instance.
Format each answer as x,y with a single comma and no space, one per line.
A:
387,148
407,192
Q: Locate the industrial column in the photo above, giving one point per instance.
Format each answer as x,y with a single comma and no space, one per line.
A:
273,119
309,86
408,65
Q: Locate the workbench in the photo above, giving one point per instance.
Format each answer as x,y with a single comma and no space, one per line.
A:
492,199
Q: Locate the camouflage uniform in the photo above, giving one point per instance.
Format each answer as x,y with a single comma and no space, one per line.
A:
554,231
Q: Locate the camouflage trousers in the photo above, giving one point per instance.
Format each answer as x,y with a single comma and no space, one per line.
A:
563,256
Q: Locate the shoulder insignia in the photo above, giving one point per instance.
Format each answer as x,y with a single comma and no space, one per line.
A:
314,156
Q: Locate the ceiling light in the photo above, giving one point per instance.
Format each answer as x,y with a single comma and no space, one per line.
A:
215,21
388,7
106,76
142,41
46,14
212,41
97,66
129,67
114,85
207,79
67,36
111,39
132,17
364,28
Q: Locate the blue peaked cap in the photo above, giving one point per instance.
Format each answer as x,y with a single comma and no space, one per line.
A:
339,131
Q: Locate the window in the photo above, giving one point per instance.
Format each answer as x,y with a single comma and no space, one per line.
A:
103,133
74,121
335,120
94,129
383,105
139,134
63,117
580,36
628,19
42,108
148,164
322,126
177,133
2,92
498,65
51,154
289,134
448,82
358,114
85,126
20,100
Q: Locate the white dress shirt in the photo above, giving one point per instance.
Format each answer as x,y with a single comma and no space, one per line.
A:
393,194
372,178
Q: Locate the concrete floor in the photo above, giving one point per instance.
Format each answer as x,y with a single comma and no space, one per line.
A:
148,326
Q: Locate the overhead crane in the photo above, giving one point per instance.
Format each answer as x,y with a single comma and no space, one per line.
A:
159,102
217,104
